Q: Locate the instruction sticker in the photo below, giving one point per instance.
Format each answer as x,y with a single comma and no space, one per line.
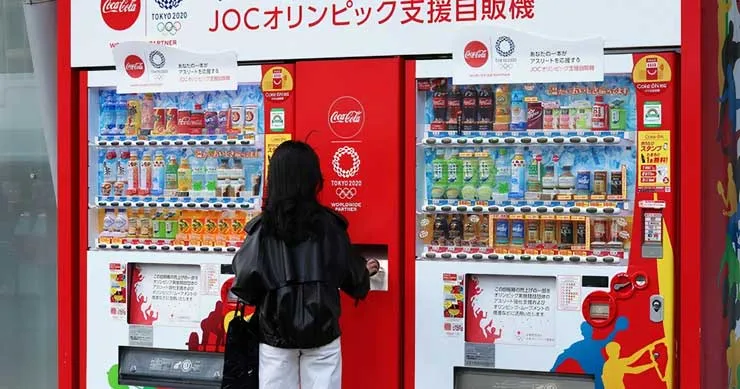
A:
142,336
569,293
654,161
453,303
118,291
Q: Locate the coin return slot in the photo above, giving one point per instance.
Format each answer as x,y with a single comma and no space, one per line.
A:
599,311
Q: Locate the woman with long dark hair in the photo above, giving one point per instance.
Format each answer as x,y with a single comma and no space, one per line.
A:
296,258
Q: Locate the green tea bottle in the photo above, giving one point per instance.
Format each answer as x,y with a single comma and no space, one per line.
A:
454,176
439,174
486,175
469,174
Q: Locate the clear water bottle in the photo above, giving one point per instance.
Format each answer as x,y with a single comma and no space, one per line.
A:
121,115
108,116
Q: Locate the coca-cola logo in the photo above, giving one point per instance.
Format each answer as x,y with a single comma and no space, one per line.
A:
120,14
475,54
134,66
346,117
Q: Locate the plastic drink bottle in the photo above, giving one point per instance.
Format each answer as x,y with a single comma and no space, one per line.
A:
108,116
470,175
170,176
503,108
184,177
132,175
439,174
121,115
516,190
454,176
145,180
518,110
158,174
486,178
211,176
199,177
600,115
503,176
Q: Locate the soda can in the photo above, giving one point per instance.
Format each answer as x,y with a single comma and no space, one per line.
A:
133,118
250,119
237,118
599,186
160,121
171,120
502,233
615,183
183,121
224,121
583,182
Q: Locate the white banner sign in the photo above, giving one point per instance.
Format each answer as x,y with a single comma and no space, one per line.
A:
144,67
262,30
505,56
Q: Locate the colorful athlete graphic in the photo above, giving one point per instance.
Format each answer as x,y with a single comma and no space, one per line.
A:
588,352
616,366
728,19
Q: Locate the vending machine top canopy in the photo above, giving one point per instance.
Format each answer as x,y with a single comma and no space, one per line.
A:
264,30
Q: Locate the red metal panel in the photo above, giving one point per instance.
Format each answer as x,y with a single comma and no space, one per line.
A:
352,111
689,277
68,193
409,235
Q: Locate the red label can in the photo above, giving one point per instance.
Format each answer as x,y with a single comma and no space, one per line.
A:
183,121
160,121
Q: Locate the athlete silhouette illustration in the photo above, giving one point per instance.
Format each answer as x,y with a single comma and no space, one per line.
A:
587,352
615,367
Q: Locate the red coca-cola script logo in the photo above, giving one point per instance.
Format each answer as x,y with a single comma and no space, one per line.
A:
476,54
134,66
120,14
346,117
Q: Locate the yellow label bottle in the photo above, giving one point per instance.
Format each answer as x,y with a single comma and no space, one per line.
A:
184,176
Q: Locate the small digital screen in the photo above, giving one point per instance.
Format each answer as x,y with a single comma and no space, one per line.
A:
599,311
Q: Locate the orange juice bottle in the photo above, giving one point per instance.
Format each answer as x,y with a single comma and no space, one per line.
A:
210,228
197,228
237,226
184,224
224,228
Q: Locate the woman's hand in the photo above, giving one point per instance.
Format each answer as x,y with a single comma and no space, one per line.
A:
373,266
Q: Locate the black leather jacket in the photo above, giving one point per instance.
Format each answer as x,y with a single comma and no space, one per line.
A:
296,289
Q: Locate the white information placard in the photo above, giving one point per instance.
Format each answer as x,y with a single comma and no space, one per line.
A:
148,68
506,56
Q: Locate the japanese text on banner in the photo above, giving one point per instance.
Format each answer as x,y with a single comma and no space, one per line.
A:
356,13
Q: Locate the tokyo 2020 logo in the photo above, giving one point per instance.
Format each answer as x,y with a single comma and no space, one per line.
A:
168,4
157,59
504,46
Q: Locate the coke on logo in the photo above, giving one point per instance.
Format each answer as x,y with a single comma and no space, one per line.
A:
120,14
476,54
134,66
346,117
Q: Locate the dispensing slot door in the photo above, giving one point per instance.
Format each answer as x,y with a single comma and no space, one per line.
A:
176,369
652,228
475,378
378,282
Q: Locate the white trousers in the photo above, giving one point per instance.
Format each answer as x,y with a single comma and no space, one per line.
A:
315,368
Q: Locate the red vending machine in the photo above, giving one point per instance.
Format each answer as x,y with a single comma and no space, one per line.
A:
545,220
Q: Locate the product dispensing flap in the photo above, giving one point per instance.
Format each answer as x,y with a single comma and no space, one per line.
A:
176,369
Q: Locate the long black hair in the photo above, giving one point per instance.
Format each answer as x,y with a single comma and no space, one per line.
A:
291,211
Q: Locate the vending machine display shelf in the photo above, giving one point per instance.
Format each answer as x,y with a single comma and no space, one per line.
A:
532,137
174,202
163,246
174,140
538,258
535,206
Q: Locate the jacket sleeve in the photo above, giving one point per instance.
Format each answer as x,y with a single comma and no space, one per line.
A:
248,285
356,280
